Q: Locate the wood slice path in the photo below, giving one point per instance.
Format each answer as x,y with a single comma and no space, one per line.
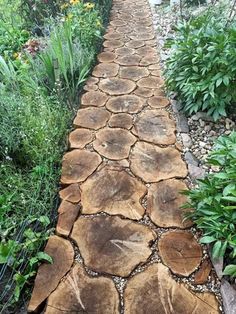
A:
120,237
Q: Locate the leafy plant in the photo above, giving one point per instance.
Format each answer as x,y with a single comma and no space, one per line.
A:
86,22
35,84
11,254
215,203
202,66
63,66
35,11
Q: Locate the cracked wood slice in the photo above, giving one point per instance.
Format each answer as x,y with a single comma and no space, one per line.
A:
155,291
68,213
146,51
148,60
71,193
164,203
123,51
91,118
125,16
142,36
91,84
109,244
118,23
121,120
115,86
159,92
114,143
201,276
143,23
124,30
135,44
158,102
142,29
112,35
114,192
128,60
106,70
152,163
125,103
180,251
113,43
49,275
80,293
118,164
108,49
156,127
92,80
90,88
142,14
150,82
78,165
94,98
157,73
143,92
134,73
79,138
106,56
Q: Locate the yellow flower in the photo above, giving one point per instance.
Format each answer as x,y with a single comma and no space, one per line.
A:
64,6
16,55
73,2
98,23
89,5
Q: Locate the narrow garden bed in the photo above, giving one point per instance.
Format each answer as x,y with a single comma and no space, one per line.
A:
46,52
197,48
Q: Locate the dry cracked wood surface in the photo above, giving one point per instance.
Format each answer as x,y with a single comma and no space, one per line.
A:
120,238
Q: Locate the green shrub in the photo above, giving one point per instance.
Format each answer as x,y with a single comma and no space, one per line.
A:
63,65
11,40
34,119
215,203
29,126
202,66
32,133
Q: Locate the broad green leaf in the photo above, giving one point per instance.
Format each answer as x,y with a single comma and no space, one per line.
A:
230,270
207,239
44,256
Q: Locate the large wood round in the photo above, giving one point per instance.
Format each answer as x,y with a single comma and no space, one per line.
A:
156,127
80,293
152,163
180,251
150,82
154,291
115,86
125,103
112,245
114,143
115,192
134,73
91,118
106,56
79,138
78,164
105,70
164,203
94,98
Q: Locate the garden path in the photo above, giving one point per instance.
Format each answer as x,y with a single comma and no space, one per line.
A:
121,245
